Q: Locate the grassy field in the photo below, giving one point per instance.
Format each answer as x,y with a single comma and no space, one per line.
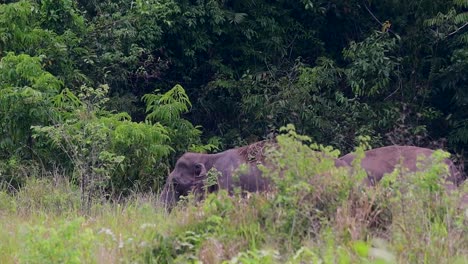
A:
42,223
327,218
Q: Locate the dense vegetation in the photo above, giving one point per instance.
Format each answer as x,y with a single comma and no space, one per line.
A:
98,99
137,74
327,218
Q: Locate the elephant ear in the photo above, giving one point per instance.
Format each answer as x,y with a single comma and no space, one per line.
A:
200,170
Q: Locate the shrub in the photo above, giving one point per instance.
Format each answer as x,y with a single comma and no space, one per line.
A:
309,189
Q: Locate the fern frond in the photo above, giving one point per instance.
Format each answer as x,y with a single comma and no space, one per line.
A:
463,39
167,107
461,18
66,98
461,3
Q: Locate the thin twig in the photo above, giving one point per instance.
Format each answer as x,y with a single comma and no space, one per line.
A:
376,19
390,95
372,14
460,28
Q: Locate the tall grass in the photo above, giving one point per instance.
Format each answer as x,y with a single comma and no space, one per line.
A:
316,215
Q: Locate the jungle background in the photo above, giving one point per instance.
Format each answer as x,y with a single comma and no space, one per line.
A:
99,98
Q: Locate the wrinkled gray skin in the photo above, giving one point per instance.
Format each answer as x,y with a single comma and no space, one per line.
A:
380,161
191,169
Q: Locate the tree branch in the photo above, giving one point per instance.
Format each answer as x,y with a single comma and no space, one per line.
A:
376,19
372,14
458,29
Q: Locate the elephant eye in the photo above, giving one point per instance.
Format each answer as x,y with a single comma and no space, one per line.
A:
198,170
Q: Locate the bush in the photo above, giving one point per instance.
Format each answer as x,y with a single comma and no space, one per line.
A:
309,189
316,214
110,153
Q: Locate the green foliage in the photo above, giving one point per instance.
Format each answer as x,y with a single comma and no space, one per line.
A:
51,31
167,109
254,67
447,29
61,16
14,171
145,148
24,70
250,67
110,153
266,61
66,242
26,92
255,256
302,95
106,149
309,187
6,203
17,27
48,196
43,223
372,64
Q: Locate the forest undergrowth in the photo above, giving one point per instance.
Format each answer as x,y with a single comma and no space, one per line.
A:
326,218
